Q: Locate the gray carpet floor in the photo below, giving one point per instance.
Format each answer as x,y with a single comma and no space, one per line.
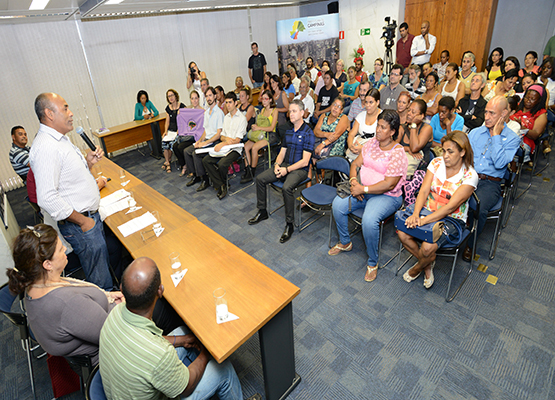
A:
382,340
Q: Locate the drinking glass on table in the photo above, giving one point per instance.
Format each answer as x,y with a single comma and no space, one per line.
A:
221,304
175,262
122,177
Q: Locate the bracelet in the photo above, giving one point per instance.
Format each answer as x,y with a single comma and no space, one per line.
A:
352,179
174,340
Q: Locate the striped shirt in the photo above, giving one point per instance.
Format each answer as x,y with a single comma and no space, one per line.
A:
19,157
64,182
136,362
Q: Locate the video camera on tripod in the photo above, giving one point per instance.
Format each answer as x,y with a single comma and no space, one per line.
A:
389,32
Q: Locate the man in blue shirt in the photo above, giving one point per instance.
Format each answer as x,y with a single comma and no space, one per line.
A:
494,146
291,167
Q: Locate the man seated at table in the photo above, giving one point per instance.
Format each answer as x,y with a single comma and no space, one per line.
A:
213,124
137,362
19,152
291,167
234,128
494,145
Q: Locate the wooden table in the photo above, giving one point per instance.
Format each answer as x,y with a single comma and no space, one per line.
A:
134,132
260,297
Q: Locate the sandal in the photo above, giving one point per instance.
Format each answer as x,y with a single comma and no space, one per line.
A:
168,168
335,250
408,278
371,273
183,171
165,165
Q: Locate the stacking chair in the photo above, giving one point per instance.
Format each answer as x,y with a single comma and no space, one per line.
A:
278,187
20,320
319,197
534,158
95,389
453,251
84,365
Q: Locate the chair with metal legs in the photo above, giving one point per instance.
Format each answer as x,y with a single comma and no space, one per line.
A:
453,250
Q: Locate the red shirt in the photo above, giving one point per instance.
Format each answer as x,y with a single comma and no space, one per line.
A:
527,121
403,51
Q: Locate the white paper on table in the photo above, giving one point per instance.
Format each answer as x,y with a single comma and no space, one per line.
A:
230,317
107,210
136,224
114,197
178,276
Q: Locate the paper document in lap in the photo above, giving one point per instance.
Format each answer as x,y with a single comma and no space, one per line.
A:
190,122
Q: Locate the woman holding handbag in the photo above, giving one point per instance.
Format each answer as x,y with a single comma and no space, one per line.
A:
448,184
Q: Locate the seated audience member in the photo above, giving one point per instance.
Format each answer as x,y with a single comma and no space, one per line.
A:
360,75
390,93
172,109
511,63
364,126
532,116
307,100
494,145
416,137
266,85
501,88
288,87
234,128
446,120
204,85
383,167
282,105
350,87
547,78
144,109
514,106
294,78
495,63
291,167
530,64
184,141
451,86
426,69
262,132
331,132
319,84
403,104
239,85
213,124
246,108
311,70
139,361
415,86
340,76
19,152
466,72
220,98
327,95
472,106
65,314
527,80
432,96
195,78
358,104
378,78
441,66
449,182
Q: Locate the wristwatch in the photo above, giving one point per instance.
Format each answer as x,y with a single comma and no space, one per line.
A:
366,189
412,126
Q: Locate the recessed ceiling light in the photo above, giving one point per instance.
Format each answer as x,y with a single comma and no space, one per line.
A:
38,4
110,2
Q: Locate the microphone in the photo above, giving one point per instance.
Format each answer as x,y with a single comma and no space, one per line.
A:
84,136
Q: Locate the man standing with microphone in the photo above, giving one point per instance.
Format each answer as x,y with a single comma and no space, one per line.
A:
67,190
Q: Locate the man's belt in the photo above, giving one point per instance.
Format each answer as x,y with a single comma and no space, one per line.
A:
84,213
489,178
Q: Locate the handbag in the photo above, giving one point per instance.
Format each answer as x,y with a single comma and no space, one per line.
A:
264,122
430,232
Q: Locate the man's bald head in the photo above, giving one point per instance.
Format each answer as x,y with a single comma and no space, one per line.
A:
42,102
140,284
497,108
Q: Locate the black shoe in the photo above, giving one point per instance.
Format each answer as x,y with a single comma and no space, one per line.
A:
467,254
222,192
287,233
194,179
261,215
203,186
248,177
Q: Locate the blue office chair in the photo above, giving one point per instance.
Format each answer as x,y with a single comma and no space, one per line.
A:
453,250
95,389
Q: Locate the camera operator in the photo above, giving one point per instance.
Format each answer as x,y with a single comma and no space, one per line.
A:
404,44
194,78
423,46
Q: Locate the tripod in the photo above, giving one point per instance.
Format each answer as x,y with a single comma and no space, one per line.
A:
388,58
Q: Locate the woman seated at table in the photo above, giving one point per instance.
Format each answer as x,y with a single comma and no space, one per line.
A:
448,184
403,104
331,132
182,141
532,115
259,135
501,88
378,78
364,125
431,97
65,314
452,86
383,167
144,109
172,109
416,136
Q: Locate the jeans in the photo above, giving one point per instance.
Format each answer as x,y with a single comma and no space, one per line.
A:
292,180
216,167
218,379
91,249
377,207
488,193
257,84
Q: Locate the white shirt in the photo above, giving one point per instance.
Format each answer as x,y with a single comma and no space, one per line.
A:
419,44
313,73
296,83
308,102
213,120
64,182
235,127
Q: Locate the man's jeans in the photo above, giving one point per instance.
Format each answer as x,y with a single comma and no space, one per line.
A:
257,84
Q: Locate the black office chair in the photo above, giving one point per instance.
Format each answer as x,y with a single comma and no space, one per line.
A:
84,368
